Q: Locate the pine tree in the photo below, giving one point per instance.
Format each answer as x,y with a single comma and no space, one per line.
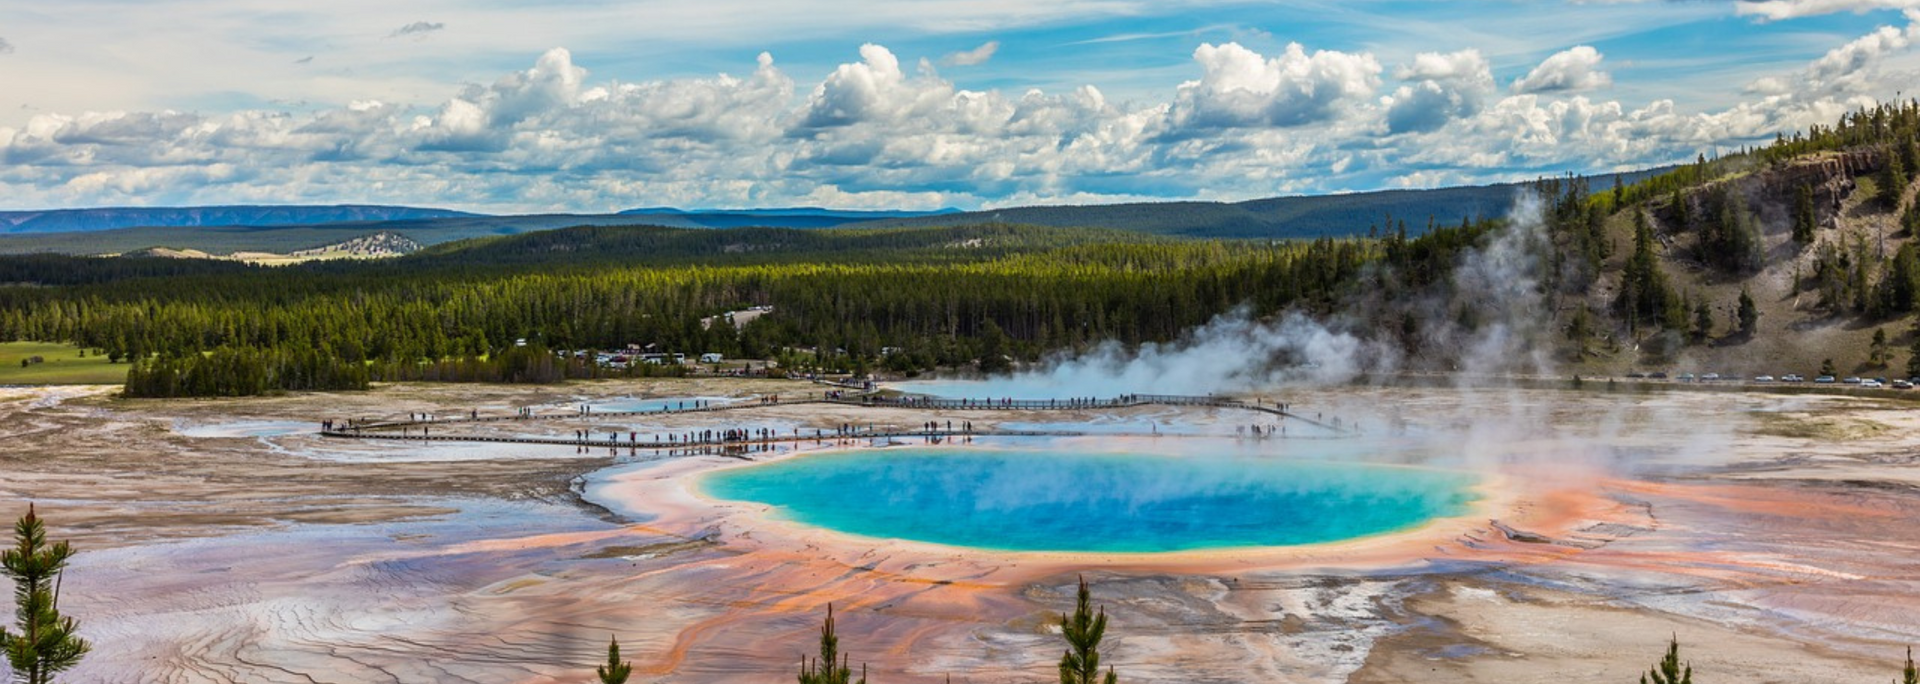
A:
1737,245
1900,287
1911,153
1083,630
822,670
1669,670
1826,366
1702,322
1913,361
1910,675
1579,330
1804,220
45,644
1644,294
1674,316
993,349
1877,352
614,672
1749,314
1893,179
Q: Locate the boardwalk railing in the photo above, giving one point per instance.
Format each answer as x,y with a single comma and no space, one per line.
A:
614,442
1010,404
386,430
913,401
946,404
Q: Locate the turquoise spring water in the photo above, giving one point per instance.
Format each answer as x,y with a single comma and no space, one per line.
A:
1094,502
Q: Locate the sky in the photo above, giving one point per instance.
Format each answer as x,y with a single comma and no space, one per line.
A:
507,106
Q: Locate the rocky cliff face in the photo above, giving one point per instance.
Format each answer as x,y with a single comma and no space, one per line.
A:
1769,192
1831,176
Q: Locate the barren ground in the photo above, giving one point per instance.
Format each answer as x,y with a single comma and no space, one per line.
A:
222,541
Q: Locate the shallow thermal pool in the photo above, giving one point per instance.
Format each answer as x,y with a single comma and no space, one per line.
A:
247,428
1024,500
656,404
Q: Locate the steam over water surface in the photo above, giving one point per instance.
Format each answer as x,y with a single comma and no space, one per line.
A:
1021,500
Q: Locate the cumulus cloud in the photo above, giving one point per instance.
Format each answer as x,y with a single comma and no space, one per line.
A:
870,125
552,82
1767,85
1440,88
1860,56
878,132
418,28
1573,69
872,89
978,55
1776,10
1532,130
706,110
483,118
1242,88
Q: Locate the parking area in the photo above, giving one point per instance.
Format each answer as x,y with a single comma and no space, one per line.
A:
1786,378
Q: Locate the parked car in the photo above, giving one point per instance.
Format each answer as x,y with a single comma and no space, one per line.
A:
1685,377
1824,379
1710,377
1902,385
1657,375
1791,377
1763,378
1871,384
1851,380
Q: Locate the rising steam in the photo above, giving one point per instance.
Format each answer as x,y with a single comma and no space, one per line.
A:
1499,285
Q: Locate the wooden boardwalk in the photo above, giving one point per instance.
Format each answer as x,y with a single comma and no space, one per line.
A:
424,430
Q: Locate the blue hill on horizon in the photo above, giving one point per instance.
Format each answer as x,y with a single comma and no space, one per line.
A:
111,218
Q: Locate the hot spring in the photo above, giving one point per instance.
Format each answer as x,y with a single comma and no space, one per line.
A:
1031,500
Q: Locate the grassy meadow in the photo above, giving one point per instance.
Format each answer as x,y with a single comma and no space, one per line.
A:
63,365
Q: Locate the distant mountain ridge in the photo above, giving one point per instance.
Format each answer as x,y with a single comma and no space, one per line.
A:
787,217
282,229
1305,216
110,218
43,221
797,211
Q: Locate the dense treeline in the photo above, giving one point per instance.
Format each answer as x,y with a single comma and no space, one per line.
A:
924,298
1128,292
231,372
57,269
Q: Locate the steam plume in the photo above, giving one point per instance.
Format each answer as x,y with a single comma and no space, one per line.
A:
1499,285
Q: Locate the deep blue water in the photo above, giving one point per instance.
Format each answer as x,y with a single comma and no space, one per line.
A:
1074,501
